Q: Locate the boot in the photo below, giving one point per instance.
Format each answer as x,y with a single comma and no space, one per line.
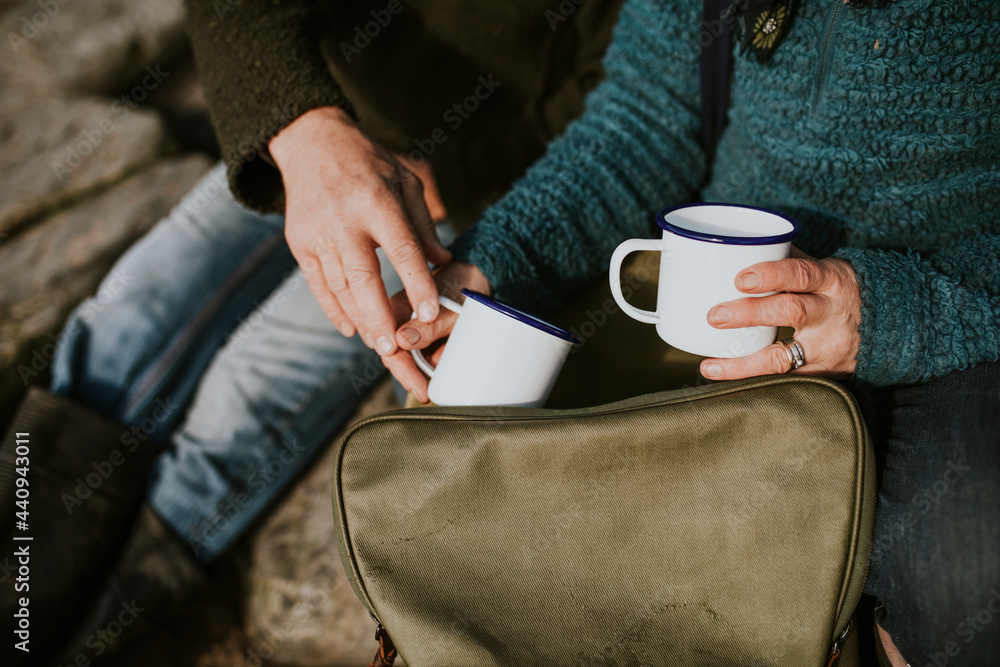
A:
154,572
61,524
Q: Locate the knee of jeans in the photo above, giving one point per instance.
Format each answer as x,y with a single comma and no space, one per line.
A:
106,343
69,352
84,371
211,206
212,191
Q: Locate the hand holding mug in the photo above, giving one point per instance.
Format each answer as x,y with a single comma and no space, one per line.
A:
418,335
496,354
702,249
818,298
712,253
347,195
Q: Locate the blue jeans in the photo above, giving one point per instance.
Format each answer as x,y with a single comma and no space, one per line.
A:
936,556
205,337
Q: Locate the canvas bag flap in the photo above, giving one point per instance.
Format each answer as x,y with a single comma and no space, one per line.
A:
719,525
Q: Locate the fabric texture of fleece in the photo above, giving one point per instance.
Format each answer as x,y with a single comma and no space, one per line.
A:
877,128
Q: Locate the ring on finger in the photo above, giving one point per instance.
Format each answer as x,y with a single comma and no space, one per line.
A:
796,355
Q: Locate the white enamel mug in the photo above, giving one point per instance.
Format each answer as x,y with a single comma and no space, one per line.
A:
703,247
496,355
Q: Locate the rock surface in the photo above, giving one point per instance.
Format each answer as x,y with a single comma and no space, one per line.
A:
50,268
91,45
298,596
54,151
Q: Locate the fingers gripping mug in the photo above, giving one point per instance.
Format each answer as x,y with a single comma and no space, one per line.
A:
703,247
496,355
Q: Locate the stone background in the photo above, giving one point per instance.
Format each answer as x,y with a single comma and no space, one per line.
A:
102,129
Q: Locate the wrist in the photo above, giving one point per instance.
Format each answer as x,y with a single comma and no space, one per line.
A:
458,275
303,132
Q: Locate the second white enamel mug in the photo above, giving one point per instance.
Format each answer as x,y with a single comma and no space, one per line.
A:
703,247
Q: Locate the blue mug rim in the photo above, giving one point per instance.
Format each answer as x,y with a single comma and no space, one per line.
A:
722,238
521,316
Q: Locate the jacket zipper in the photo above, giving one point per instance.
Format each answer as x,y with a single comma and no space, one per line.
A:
823,66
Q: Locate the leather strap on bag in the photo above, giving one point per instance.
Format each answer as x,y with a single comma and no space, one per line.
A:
386,650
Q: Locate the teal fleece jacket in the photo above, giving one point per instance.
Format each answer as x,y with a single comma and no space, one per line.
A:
878,129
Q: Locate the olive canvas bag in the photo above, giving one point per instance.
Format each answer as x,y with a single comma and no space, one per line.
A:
727,524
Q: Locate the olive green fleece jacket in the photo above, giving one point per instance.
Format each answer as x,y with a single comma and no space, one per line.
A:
478,88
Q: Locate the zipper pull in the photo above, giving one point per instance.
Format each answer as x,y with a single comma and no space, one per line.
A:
838,645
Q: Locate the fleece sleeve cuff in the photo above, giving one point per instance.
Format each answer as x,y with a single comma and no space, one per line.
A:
923,317
261,67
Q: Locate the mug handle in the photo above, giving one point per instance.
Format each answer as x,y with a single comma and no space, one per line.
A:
418,356
615,277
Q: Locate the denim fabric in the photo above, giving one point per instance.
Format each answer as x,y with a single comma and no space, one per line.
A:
205,336
165,307
936,555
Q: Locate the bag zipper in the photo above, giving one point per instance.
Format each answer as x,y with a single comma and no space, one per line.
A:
838,645
823,66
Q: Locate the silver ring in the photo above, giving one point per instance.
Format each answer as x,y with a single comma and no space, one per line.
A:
796,355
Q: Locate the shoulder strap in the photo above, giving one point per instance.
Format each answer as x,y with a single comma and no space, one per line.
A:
715,63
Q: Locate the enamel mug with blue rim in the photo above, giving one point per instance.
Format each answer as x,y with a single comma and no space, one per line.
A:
702,249
496,355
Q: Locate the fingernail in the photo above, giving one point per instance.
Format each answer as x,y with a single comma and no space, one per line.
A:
711,370
411,335
384,345
749,281
720,314
426,312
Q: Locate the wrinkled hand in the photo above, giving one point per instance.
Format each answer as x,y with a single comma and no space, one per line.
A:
345,196
417,335
821,301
